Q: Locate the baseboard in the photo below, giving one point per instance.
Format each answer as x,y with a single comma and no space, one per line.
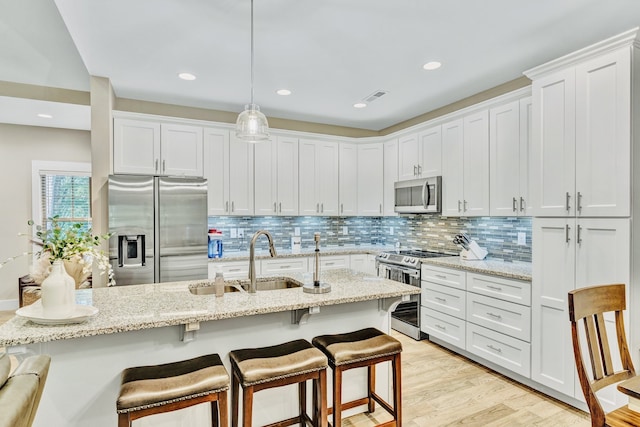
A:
8,304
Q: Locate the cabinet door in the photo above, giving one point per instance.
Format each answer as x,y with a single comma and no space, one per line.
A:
430,152
553,145
475,174
279,266
333,262
216,170
526,111
265,178
408,160
390,160
136,147
348,179
308,201
552,362
370,179
603,135
327,178
452,168
504,149
240,177
181,150
287,180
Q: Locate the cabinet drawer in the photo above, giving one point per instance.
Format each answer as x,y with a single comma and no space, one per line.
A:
230,270
444,299
500,349
509,290
447,328
332,262
444,276
502,316
269,266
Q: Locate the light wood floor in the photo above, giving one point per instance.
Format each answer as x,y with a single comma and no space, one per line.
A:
441,388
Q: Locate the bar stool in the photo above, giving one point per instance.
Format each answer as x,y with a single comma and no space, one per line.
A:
293,362
148,390
366,347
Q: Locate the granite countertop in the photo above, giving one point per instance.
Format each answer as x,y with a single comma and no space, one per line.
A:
519,270
305,252
136,307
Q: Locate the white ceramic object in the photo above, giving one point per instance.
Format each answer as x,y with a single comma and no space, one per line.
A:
35,313
58,293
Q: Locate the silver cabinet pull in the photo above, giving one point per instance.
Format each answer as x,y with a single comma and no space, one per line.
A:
441,299
521,204
514,204
419,170
226,206
579,238
156,168
566,233
164,166
380,207
567,202
441,276
499,350
415,170
329,263
341,207
317,207
459,205
280,207
579,204
274,207
440,327
233,206
495,288
322,207
284,266
495,316
464,206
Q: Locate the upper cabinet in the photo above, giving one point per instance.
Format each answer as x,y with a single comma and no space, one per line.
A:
390,176
420,154
581,145
150,148
318,178
370,179
276,177
465,166
509,135
228,168
348,178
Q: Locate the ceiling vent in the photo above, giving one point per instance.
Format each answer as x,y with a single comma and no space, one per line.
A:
375,96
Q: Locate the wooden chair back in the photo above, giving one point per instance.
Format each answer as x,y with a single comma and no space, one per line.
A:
589,305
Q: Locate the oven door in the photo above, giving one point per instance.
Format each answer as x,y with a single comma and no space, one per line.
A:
407,312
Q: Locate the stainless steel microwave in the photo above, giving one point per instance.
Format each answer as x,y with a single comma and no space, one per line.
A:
422,195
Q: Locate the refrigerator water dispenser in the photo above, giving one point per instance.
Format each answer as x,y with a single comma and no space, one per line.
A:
131,250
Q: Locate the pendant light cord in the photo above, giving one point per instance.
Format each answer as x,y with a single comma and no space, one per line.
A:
252,55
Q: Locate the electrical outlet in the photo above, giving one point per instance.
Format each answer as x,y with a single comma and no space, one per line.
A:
240,233
391,231
296,231
522,238
345,230
233,233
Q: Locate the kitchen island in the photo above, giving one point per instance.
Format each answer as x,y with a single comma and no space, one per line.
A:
159,323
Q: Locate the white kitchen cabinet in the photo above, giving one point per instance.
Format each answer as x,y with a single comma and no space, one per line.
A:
152,148
465,166
370,179
318,178
501,349
271,266
230,269
348,178
582,138
570,253
420,154
390,176
228,168
364,263
331,262
276,177
509,154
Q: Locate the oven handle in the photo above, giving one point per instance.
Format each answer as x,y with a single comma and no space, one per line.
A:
410,271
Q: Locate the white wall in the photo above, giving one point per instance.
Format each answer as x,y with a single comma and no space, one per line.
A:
19,145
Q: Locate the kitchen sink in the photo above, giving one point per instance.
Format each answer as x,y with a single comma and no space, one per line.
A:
272,284
210,289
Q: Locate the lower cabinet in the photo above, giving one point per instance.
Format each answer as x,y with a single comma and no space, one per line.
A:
283,265
331,262
501,349
230,269
447,328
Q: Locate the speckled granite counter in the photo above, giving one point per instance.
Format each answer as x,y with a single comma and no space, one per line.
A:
511,270
136,307
305,252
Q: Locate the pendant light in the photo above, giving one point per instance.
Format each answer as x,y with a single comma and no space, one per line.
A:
252,125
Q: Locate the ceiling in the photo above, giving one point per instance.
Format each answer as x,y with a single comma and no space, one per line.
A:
330,54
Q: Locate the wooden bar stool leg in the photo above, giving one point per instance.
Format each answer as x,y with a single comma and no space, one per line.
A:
235,386
214,414
322,396
397,389
337,396
247,406
223,408
371,384
123,420
302,401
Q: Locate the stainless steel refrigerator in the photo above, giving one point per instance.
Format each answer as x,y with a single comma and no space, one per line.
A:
159,227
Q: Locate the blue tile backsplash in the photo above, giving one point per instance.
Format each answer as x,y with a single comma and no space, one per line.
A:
431,232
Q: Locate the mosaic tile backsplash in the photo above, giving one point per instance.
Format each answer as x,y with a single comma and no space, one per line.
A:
430,232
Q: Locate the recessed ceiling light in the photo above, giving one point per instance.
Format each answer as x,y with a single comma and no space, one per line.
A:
433,65
283,92
359,105
45,116
186,76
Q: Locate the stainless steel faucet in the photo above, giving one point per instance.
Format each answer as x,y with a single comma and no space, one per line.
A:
252,257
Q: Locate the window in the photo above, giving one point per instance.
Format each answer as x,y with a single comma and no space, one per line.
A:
61,189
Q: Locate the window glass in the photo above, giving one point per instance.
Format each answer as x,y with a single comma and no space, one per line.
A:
66,196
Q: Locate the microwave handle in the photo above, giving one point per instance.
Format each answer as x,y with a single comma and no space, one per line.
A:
426,194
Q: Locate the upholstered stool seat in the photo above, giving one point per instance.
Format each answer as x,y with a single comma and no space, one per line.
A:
147,390
267,367
363,348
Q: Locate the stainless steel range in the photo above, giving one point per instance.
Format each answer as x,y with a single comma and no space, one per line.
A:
404,266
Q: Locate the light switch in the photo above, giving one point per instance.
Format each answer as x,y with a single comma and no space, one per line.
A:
296,231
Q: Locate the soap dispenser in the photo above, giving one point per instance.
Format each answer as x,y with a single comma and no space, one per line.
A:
219,283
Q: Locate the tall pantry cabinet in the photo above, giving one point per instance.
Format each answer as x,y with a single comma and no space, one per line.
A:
581,183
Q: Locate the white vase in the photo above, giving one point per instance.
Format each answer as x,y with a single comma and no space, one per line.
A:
58,293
